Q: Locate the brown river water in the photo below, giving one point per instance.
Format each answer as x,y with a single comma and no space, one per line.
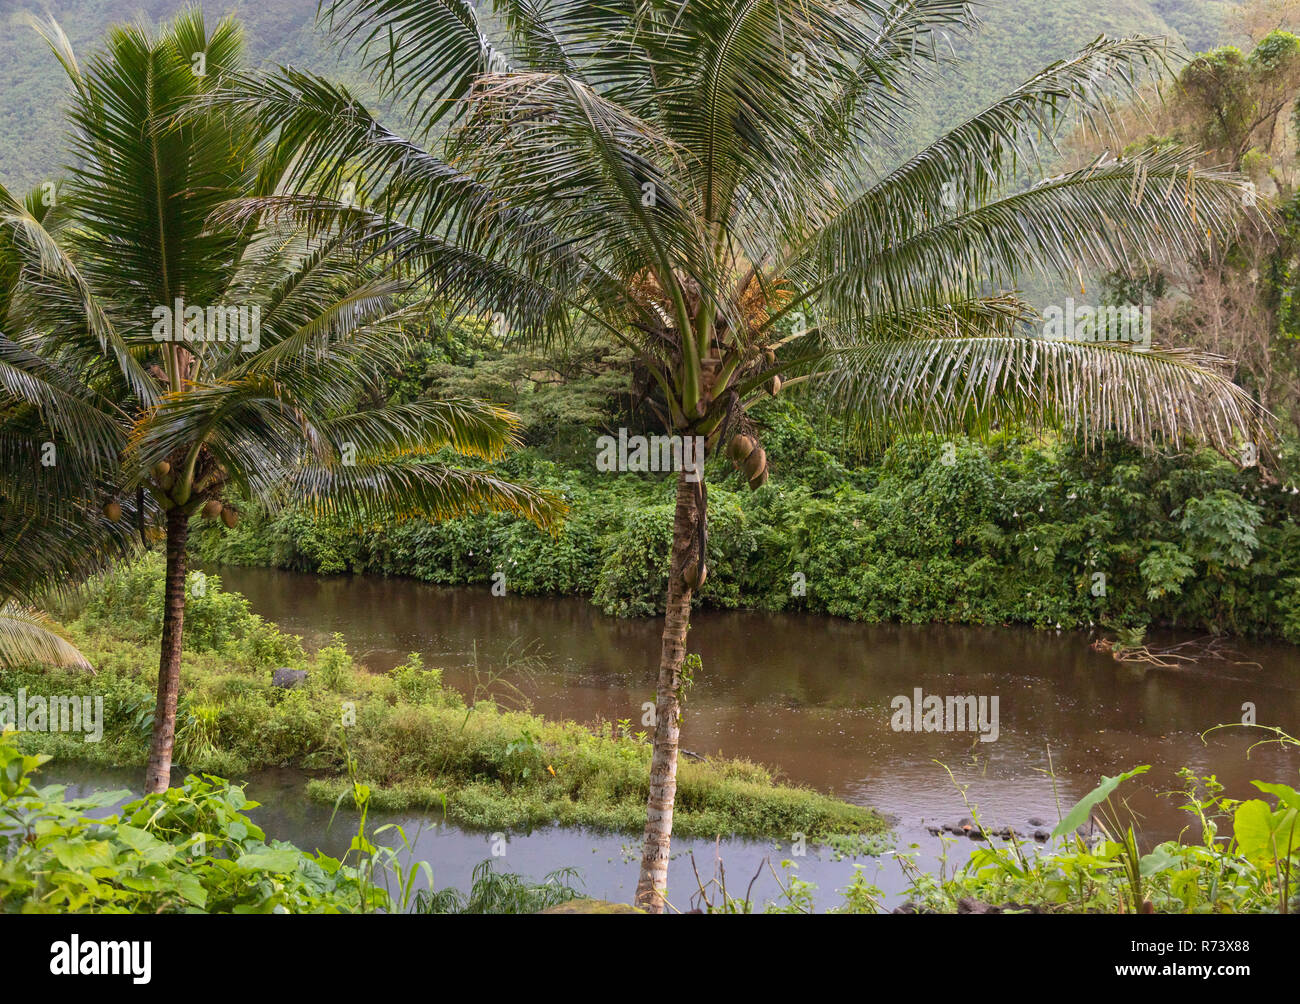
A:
809,696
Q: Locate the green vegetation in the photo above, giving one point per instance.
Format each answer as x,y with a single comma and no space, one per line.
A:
414,743
1011,531
501,892
193,849
716,189
126,410
190,849
652,216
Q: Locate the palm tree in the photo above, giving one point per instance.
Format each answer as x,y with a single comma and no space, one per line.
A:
170,364
722,186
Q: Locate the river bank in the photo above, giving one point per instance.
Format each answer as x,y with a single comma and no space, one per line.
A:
1011,531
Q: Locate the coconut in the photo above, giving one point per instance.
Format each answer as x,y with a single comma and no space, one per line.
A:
113,511
774,385
759,479
212,508
770,356
755,462
739,448
695,574
229,517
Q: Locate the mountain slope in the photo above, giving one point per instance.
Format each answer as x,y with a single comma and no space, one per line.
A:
1019,38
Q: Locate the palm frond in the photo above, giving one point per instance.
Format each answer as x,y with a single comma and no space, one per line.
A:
402,488
29,638
951,384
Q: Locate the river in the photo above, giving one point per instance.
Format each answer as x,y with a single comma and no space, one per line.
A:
808,695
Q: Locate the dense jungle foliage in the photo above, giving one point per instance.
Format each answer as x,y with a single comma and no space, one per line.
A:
1004,531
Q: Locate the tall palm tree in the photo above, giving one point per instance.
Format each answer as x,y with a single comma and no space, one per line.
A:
723,187
169,364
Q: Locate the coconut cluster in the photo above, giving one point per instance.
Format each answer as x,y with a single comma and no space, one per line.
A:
750,458
166,480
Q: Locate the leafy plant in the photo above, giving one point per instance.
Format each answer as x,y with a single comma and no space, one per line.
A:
189,849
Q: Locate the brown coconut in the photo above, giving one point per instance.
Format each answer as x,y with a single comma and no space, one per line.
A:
739,448
755,462
695,574
758,480
230,517
113,512
212,508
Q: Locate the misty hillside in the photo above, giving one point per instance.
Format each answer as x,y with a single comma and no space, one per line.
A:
1019,37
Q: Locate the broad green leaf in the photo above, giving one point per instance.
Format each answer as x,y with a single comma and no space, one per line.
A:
191,888
83,854
150,849
1160,859
1083,808
280,860
1252,825
1285,794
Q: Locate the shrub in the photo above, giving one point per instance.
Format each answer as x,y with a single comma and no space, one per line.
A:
190,849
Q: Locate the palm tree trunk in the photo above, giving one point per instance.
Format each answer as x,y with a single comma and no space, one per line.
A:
663,764
158,774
